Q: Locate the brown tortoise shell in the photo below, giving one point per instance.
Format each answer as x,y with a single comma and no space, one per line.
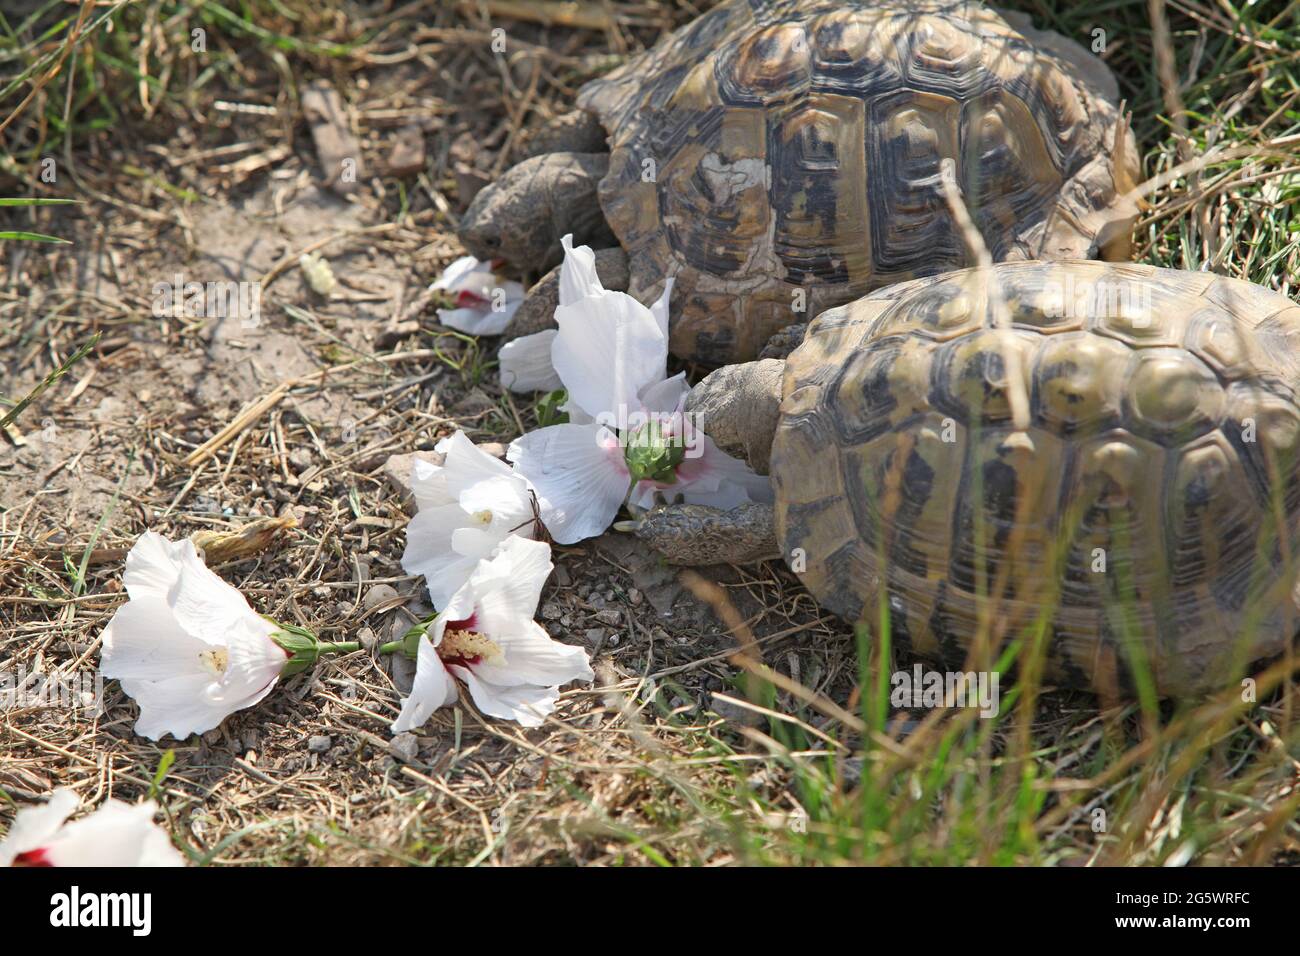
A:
1164,429
772,146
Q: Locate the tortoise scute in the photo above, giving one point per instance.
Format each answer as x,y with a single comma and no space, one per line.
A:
1152,506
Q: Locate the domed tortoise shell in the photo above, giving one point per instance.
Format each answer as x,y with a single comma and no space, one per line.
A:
1150,504
781,156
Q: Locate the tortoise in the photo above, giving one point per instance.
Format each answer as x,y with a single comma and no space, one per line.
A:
1144,493
779,156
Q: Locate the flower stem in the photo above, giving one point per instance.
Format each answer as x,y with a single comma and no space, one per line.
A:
341,647
391,647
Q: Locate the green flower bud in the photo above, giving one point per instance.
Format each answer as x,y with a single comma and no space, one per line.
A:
303,647
410,643
652,455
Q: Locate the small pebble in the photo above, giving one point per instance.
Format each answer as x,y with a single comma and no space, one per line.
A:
635,596
378,594
367,638
318,744
552,612
405,745
610,616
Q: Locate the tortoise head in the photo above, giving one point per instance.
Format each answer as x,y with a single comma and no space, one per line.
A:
521,217
738,407
509,219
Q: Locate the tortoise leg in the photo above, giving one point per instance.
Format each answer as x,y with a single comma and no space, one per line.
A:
780,345
698,534
521,217
537,312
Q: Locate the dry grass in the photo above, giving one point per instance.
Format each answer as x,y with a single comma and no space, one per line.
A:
173,425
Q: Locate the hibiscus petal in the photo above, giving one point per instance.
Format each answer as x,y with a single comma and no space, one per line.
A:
152,565
143,642
507,588
660,308
33,827
203,604
608,348
431,689
523,703
464,463
579,475
525,363
459,608
714,464
578,276
254,664
117,834
484,321
533,657
506,500
179,706
666,397
430,551
461,274
429,484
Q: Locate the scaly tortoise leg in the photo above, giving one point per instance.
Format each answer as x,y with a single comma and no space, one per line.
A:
699,535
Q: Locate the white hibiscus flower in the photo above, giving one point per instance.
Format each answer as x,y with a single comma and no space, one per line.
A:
188,648
117,834
486,637
467,507
627,438
485,303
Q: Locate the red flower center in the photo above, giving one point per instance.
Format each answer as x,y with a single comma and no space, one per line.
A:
463,644
35,857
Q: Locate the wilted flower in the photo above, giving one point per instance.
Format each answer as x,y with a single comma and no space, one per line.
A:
467,507
117,834
628,438
485,303
486,637
188,648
